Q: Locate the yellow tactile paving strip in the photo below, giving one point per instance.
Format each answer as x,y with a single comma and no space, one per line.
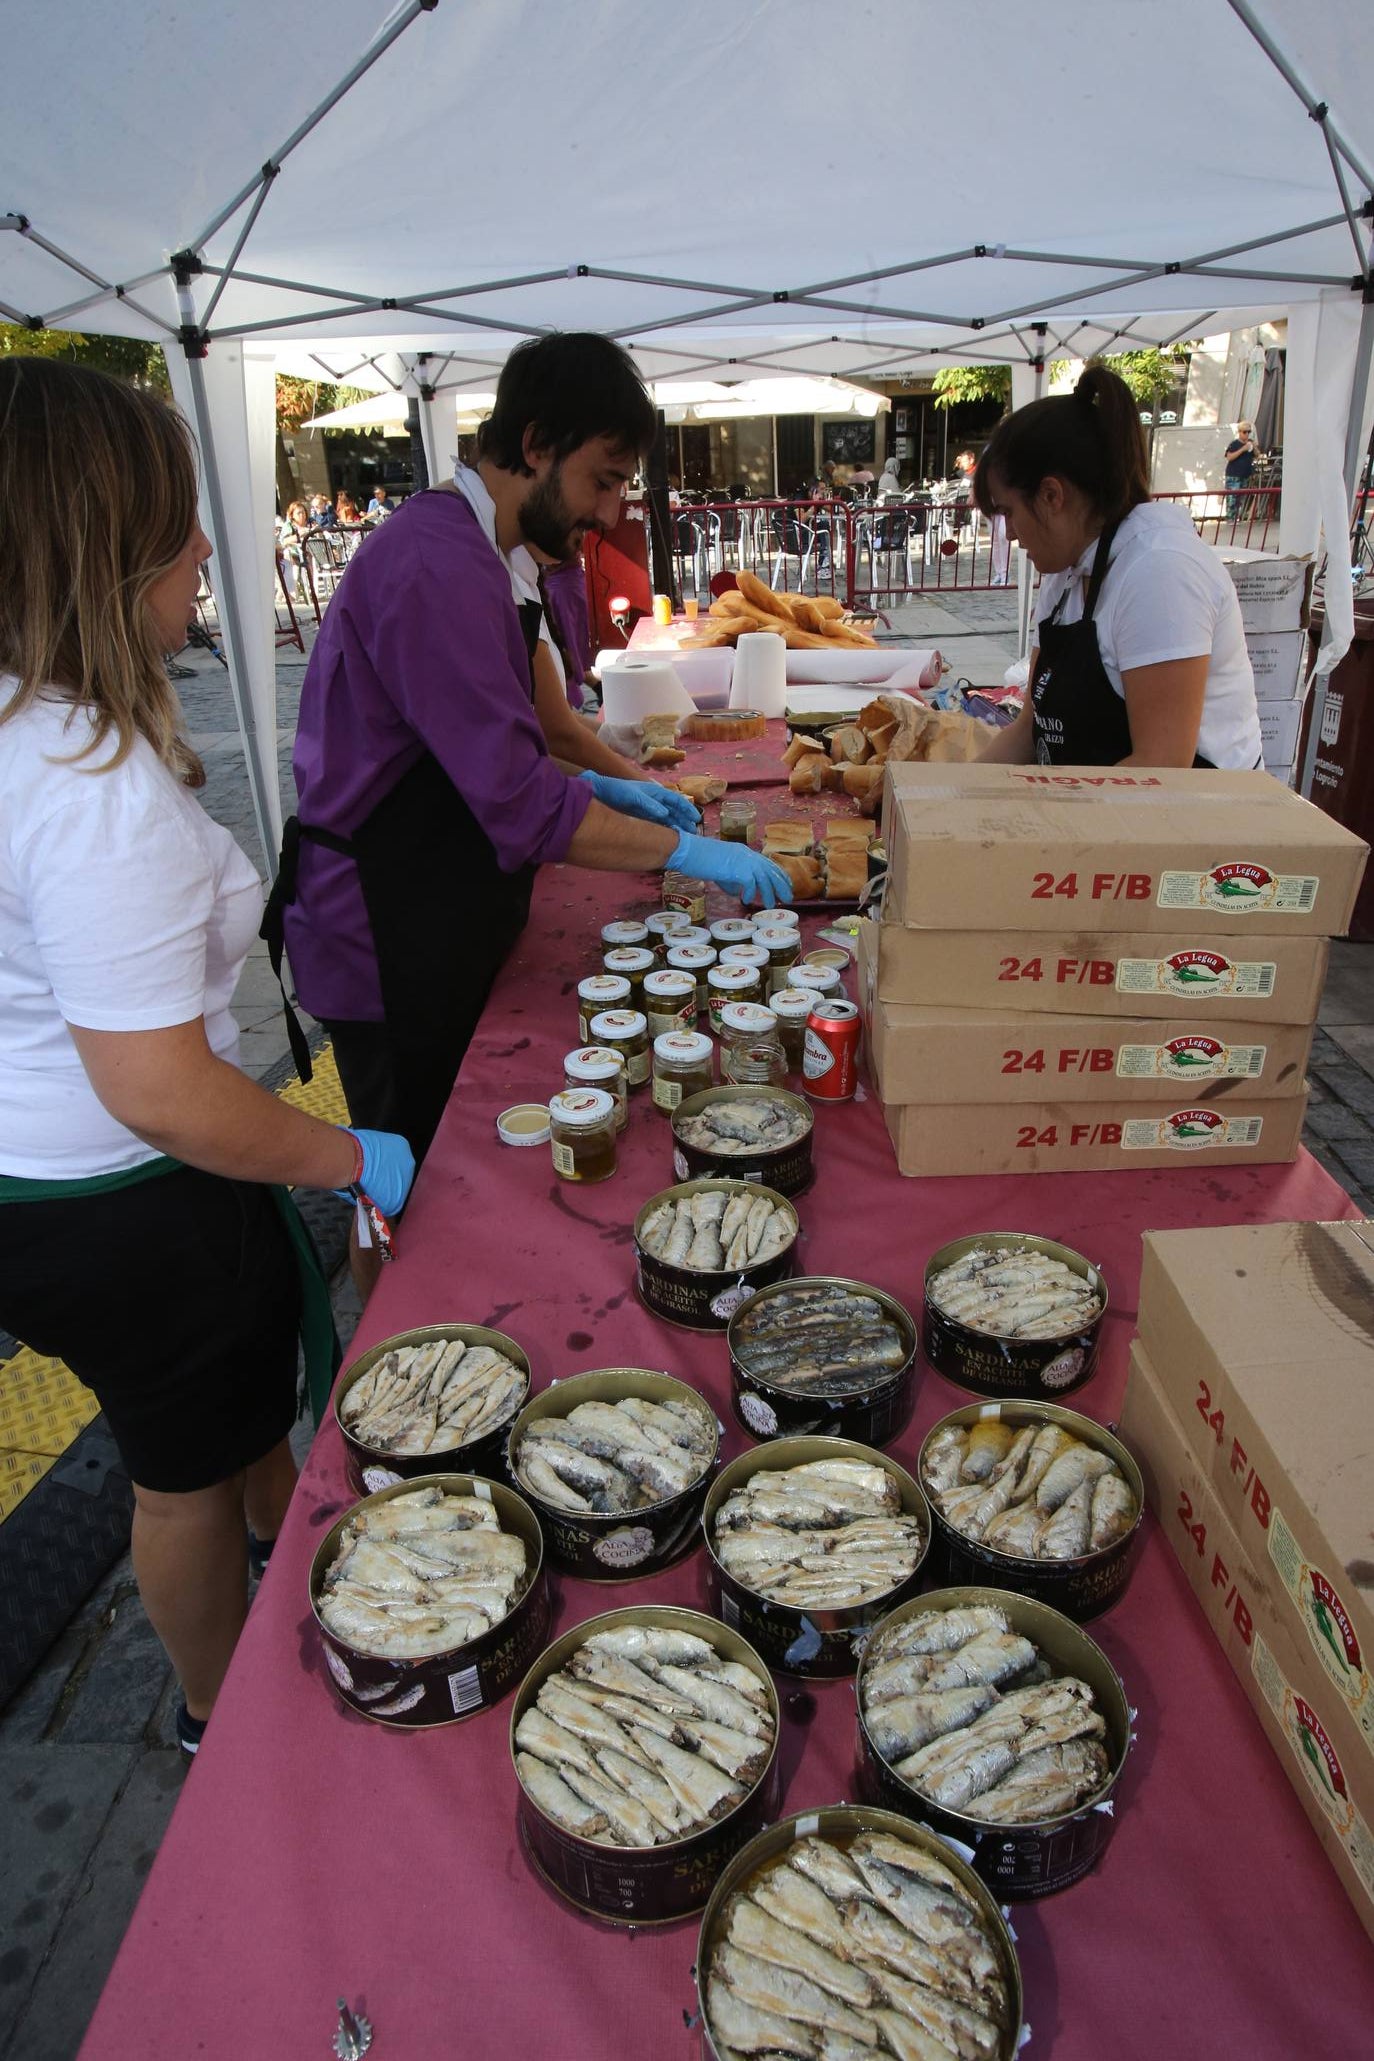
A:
42,1404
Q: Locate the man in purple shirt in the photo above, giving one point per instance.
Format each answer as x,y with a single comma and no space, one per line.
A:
428,795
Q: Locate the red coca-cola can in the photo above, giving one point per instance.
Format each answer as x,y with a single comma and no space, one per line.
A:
830,1055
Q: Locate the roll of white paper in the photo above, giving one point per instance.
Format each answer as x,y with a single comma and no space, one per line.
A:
760,676
633,688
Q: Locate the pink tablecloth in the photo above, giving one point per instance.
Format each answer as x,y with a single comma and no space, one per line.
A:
314,1855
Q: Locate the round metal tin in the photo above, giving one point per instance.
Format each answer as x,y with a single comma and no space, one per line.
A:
1081,1588
372,1467
787,1169
690,1296
1018,1862
631,1544
1042,1368
647,1885
840,1824
439,1688
815,1643
871,1414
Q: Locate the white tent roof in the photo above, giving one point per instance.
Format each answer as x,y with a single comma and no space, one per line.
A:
728,189
682,400
501,166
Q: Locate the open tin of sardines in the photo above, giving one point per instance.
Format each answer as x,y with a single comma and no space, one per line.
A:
684,1240
817,1913
856,1383
569,1446
647,1854
784,1602
982,1538
976,1286
760,1134
1027,1840
379,1407
416,1690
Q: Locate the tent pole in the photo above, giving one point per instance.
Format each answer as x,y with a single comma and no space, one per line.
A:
774,424
230,616
1359,387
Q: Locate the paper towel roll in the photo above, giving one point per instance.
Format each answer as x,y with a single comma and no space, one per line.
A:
633,688
760,676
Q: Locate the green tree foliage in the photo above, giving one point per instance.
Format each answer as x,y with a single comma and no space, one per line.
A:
971,383
127,357
299,399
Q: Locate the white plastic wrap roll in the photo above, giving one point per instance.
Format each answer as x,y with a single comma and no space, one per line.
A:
633,688
760,676
885,662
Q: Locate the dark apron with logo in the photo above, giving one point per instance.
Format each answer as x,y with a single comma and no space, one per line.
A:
443,915
1080,719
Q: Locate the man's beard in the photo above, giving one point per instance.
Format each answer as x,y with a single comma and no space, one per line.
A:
547,522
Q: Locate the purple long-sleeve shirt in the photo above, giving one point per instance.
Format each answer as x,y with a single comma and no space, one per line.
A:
421,648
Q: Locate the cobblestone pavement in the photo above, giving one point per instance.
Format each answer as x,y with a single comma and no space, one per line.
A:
88,1762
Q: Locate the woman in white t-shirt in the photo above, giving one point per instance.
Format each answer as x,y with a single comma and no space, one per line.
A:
140,1241
1140,655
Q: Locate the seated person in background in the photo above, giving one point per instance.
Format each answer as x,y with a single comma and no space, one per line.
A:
346,508
378,508
889,486
321,514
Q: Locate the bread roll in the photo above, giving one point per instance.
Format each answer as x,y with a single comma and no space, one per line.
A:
806,778
701,788
860,781
800,748
846,871
661,755
849,743
844,830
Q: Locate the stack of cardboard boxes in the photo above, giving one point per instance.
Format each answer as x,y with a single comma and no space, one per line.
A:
1250,1407
1098,967
1274,595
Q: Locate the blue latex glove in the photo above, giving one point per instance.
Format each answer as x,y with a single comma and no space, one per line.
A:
387,1172
735,866
643,798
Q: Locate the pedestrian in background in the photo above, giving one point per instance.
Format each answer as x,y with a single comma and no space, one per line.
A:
145,1237
1240,463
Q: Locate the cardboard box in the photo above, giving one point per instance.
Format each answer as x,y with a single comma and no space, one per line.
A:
1251,979
1324,1755
1084,1137
1276,660
1273,592
1279,723
1262,1336
1045,848
975,1055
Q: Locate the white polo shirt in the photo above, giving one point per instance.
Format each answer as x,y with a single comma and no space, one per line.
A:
1167,596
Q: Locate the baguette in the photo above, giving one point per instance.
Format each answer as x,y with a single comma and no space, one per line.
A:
846,872
850,743
701,788
861,781
661,755
759,596
791,837
807,776
805,874
801,747
846,830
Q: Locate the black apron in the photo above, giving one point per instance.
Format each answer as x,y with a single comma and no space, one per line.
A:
442,913
1080,719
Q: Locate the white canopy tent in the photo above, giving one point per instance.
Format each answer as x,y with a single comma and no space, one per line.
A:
438,181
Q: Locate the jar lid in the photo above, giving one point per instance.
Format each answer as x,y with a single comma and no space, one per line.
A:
781,918
665,920
772,936
790,1003
619,1023
593,1063
580,1108
690,934
691,955
624,933
603,987
820,979
732,930
673,982
683,1048
628,959
732,976
524,1123
744,955
750,1017
827,955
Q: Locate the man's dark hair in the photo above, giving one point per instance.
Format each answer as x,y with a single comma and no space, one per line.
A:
567,389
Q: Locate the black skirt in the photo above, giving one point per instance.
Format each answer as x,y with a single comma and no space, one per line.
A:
177,1302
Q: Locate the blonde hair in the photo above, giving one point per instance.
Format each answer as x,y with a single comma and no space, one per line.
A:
97,502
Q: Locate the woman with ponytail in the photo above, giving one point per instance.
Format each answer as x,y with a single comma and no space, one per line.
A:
1139,657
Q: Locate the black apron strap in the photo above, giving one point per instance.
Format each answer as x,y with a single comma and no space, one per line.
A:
273,927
